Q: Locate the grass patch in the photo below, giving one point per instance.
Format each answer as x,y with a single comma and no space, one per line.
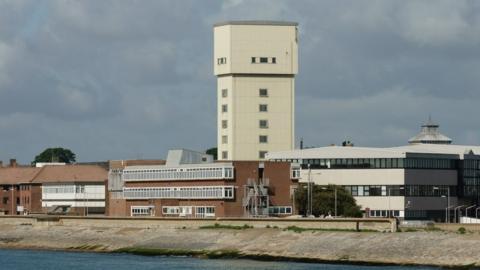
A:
88,247
216,254
230,227
300,229
433,229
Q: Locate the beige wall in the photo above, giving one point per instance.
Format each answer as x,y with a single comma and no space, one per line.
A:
355,177
238,43
243,79
243,115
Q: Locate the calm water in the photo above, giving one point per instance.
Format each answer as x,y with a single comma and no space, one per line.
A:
48,260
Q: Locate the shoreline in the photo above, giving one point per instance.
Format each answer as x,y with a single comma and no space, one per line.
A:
262,242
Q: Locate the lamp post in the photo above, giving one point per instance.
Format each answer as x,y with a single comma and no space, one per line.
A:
466,210
335,191
309,192
447,209
476,213
455,216
389,199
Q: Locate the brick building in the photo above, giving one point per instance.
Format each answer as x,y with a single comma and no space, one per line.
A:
18,195
190,184
72,189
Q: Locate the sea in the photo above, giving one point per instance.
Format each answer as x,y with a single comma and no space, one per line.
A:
58,260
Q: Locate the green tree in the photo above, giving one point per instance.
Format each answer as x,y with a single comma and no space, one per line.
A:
323,198
57,154
213,151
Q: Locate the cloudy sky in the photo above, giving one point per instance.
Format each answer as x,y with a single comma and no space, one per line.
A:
105,78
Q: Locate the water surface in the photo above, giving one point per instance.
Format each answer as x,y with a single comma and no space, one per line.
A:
53,260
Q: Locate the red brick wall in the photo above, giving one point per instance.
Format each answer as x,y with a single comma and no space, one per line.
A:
279,186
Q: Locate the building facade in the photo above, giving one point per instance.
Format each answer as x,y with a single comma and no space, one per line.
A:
202,190
59,189
428,179
255,63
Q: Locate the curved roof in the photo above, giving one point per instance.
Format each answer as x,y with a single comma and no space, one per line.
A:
275,23
430,135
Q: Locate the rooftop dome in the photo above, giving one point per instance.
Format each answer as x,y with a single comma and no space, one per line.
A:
430,135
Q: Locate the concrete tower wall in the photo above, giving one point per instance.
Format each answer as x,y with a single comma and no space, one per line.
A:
255,63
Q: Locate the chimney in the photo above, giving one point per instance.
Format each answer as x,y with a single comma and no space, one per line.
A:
13,163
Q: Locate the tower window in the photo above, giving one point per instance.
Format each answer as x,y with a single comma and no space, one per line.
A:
263,108
263,92
224,108
254,60
224,92
221,60
263,139
224,139
263,123
224,154
224,124
263,59
274,60
262,154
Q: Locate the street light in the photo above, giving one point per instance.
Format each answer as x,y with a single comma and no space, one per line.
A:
309,192
325,188
447,211
466,210
458,208
389,199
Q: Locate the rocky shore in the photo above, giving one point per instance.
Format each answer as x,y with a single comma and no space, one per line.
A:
440,248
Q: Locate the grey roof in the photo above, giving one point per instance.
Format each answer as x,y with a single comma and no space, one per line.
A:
276,23
430,134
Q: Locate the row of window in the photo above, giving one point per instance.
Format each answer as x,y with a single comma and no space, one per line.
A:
396,190
280,210
384,213
261,123
255,60
261,139
136,211
264,60
261,108
261,154
178,173
376,163
262,92
63,189
200,192
183,211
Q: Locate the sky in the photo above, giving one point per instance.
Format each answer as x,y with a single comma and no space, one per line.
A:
118,79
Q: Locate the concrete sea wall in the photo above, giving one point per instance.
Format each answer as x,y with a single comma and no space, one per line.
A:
309,240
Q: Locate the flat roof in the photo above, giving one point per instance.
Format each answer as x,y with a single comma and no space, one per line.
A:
181,166
443,151
275,23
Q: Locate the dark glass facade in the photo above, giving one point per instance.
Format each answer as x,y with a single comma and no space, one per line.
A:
398,190
377,163
469,186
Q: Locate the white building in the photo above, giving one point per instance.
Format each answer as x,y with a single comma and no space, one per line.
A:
415,181
255,63
73,188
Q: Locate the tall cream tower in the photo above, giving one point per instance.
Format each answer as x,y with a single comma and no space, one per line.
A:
255,63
